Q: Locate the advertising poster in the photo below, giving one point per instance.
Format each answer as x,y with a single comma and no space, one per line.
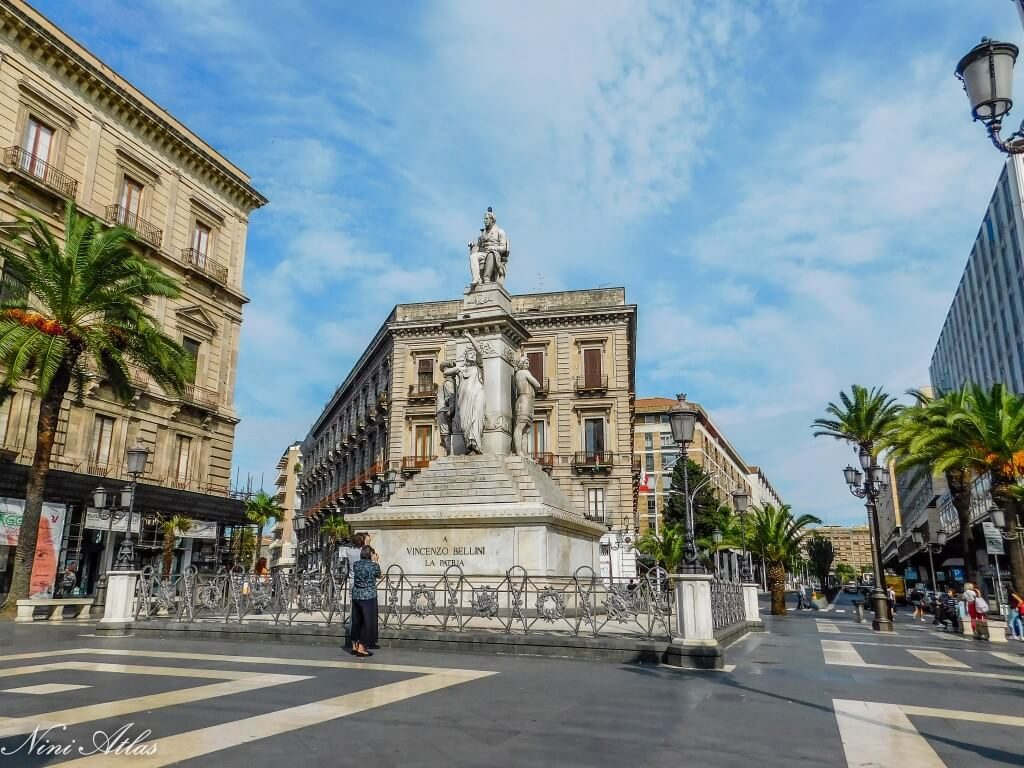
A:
51,529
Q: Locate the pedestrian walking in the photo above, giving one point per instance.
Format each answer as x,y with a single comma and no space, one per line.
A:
917,599
1017,617
890,595
950,609
365,574
981,609
967,597
801,596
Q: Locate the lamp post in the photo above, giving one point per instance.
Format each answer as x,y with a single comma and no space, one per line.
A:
136,461
868,484
924,541
1017,534
740,500
683,419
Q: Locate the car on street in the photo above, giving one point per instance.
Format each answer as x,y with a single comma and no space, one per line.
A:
851,588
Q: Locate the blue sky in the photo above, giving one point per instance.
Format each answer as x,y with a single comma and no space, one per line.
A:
788,190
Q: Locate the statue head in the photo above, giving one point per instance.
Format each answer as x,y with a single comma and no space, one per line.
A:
471,356
523,363
489,217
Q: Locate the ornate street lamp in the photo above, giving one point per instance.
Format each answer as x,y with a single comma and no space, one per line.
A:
741,500
868,485
136,465
987,76
682,419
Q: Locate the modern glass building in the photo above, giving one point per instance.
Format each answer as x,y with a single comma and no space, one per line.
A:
982,339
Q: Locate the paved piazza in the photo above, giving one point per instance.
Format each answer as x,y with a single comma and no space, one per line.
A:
817,690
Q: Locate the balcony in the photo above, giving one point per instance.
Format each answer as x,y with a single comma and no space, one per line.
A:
598,462
545,386
201,396
211,268
589,385
40,171
115,214
413,464
545,460
422,392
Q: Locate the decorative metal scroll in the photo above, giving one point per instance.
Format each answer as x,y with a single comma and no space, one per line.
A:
727,606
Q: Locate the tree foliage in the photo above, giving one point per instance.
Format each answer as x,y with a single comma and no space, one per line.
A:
667,548
705,503
80,313
777,535
820,554
170,529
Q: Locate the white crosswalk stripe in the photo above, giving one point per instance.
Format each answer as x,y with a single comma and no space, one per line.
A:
937,659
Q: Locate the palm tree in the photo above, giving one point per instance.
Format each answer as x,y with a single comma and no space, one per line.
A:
171,528
845,573
821,554
778,536
261,508
985,436
667,548
922,434
81,307
334,528
864,419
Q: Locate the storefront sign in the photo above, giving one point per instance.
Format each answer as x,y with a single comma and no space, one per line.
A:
96,522
993,539
51,531
201,529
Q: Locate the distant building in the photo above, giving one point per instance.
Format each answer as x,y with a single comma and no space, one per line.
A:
582,349
656,454
982,339
852,544
282,545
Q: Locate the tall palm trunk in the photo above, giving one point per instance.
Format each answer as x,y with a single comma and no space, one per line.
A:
168,554
1001,493
46,431
777,586
959,483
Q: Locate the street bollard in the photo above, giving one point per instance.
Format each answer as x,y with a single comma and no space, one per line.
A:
858,606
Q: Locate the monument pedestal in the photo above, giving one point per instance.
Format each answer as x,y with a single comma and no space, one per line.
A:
484,514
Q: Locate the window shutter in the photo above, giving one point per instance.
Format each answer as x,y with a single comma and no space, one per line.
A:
536,365
425,365
592,367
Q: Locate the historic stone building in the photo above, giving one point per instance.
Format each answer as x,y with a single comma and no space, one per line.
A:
657,453
582,349
282,544
71,129
852,544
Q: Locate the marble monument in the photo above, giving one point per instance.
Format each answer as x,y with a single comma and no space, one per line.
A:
487,505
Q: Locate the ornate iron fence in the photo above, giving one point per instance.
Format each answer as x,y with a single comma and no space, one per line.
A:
583,604
727,608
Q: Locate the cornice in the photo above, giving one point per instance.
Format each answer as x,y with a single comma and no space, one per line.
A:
29,36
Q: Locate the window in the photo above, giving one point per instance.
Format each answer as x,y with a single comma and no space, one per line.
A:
649,462
182,452
102,434
652,511
201,243
425,374
667,441
595,504
668,460
593,435
592,368
424,441
649,441
536,360
38,143
539,439
11,285
131,200
192,350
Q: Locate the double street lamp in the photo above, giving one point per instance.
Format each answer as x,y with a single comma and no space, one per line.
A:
740,501
867,483
135,465
923,539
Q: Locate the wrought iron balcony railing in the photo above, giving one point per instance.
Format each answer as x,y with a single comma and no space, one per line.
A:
200,396
116,214
25,161
422,392
412,464
593,461
591,384
205,264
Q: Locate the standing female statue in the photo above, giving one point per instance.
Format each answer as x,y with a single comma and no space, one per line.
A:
469,396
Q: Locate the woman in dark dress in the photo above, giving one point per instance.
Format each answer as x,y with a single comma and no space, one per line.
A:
365,573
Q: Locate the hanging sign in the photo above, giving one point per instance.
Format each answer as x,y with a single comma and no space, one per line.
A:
993,539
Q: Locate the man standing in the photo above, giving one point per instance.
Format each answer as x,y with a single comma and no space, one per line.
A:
801,596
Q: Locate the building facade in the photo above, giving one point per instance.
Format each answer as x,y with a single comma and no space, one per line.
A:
656,453
852,544
982,339
72,130
282,544
582,349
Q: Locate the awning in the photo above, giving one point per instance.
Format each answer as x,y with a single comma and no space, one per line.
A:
63,487
952,562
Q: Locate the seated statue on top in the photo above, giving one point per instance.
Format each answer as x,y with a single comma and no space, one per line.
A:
488,256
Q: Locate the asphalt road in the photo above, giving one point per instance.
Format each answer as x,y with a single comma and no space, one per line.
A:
817,689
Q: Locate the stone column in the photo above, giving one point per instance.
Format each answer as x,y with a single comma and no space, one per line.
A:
487,316
119,607
750,605
694,623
